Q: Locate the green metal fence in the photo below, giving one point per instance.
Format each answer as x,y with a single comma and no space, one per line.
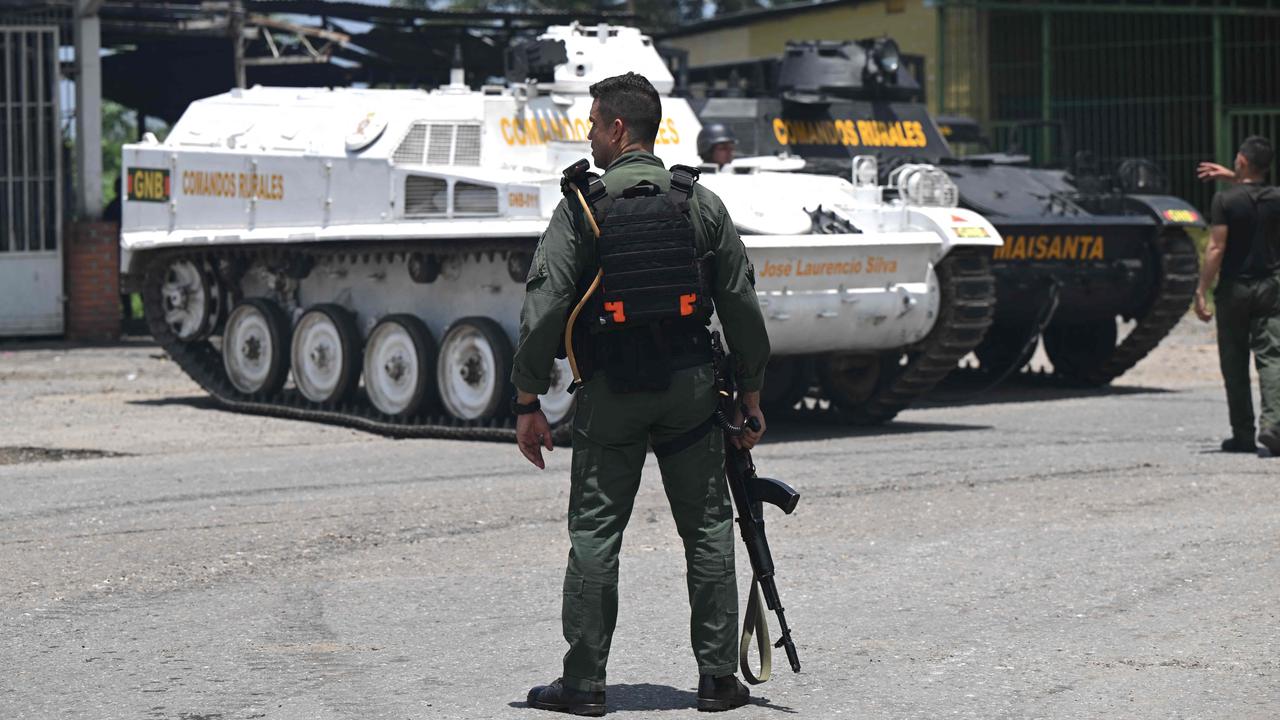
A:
1173,82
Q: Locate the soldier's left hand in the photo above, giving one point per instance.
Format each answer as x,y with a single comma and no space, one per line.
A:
533,433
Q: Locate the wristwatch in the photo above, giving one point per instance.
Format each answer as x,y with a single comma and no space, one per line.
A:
519,408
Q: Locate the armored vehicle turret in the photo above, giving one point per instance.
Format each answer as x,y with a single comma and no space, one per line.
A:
1081,246
359,256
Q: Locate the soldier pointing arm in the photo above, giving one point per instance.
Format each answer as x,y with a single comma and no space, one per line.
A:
1244,257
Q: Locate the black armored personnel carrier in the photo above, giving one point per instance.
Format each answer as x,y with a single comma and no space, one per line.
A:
1083,245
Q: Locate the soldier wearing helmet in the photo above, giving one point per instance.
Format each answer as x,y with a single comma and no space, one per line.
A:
716,144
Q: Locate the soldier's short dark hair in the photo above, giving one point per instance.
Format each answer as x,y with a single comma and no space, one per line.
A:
1258,152
632,98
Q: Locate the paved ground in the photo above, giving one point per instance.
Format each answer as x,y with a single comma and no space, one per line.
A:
1041,553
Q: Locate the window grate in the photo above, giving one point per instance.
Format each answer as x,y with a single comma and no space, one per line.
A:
472,199
425,196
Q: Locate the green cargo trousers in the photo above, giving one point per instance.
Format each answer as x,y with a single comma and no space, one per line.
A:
1249,321
611,436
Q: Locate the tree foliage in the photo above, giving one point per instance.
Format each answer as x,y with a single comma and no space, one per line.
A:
119,127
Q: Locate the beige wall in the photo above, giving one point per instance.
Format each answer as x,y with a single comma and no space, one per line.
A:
715,47
915,29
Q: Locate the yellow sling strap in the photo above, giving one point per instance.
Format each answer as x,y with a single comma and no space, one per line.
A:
595,284
755,621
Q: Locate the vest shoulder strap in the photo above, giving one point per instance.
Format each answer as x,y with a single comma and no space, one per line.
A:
683,178
598,197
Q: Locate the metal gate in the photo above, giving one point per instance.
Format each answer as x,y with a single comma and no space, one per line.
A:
1172,81
1253,121
31,301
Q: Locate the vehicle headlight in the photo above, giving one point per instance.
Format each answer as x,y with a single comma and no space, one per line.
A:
925,185
866,171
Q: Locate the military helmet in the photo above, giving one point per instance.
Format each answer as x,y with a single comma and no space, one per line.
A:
713,134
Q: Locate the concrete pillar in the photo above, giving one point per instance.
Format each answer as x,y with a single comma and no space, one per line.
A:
88,39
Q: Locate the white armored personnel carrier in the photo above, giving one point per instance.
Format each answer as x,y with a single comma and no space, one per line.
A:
359,256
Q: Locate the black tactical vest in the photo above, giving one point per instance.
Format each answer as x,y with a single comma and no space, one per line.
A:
649,315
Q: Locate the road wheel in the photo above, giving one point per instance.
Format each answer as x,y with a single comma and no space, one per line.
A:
850,380
326,354
474,370
400,366
192,299
1001,348
1078,350
786,382
254,347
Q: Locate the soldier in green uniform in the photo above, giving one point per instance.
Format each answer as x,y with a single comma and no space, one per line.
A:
1244,256
668,404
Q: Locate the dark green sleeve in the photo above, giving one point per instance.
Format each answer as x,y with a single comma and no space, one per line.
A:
735,296
549,290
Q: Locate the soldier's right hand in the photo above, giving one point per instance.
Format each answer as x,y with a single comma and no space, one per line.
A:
749,437
1202,307
533,433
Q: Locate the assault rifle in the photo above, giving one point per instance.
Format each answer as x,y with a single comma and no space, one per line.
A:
750,492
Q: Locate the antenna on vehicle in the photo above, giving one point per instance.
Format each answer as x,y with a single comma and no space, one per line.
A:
457,74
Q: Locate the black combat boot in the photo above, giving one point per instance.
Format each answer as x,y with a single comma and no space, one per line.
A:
721,693
567,700
1269,443
1236,445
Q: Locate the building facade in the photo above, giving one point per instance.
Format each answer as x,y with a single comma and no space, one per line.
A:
1176,82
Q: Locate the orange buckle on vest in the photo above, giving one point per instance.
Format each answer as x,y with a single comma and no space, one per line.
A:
686,304
615,307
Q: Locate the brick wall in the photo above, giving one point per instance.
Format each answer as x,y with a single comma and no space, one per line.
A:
92,257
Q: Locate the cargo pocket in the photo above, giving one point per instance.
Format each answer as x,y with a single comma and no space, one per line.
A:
1268,298
727,593
571,609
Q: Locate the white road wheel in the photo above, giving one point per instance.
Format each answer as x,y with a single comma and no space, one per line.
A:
191,300
253,347
557,403
399,366
326,354
474,369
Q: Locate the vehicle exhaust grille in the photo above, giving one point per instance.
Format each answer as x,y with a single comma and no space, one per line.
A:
466,145
411,148
440,149
425,196
439,144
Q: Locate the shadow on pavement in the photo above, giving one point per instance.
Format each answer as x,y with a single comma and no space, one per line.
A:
798,427
961,392
648,696
58,343
203,402
784,427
